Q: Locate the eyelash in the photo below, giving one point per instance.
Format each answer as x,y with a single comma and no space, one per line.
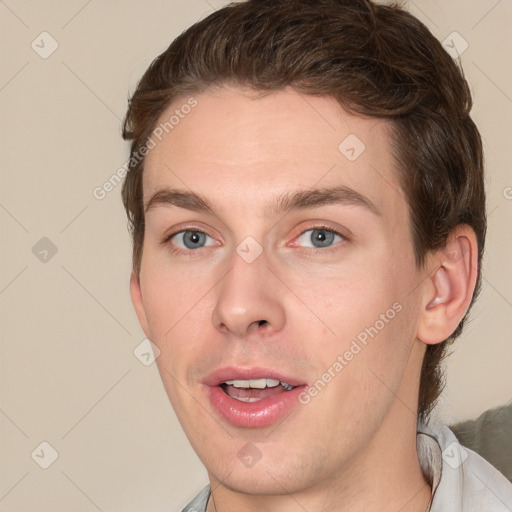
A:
166,239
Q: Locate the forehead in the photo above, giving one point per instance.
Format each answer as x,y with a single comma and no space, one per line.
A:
234,140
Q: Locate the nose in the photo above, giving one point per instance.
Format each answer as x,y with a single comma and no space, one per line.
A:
249,299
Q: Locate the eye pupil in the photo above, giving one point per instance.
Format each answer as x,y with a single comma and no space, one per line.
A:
193,238
323,236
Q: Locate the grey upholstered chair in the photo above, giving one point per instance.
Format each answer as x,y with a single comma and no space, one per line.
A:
490,435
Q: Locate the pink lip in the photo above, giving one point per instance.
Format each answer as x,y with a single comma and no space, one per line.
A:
265,412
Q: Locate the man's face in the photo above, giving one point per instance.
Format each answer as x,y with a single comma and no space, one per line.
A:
319,294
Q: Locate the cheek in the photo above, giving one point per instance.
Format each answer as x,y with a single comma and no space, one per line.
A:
179,311
351,301
170,296
362,317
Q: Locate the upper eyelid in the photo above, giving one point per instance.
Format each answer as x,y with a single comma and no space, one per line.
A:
178,230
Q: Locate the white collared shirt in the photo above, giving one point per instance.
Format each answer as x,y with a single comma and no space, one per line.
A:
462,481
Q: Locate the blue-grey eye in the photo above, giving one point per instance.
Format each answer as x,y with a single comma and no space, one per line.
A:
190,239
319,237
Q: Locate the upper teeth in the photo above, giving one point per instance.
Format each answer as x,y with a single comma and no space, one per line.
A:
257,383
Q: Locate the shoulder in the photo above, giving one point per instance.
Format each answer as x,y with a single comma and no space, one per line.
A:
463,480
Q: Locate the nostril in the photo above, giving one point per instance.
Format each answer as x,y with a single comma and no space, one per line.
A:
257,324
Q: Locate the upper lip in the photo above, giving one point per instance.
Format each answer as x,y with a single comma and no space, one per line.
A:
220,375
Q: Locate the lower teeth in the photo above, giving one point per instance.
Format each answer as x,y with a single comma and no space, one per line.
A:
251,399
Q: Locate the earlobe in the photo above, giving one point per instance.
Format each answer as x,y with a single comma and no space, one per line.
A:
138,303
449,288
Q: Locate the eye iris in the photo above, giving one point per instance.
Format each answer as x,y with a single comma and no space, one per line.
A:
192,238
323,236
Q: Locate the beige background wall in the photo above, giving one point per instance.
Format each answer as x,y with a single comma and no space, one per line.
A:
68,373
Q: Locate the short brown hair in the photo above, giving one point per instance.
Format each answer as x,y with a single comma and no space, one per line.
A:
375,60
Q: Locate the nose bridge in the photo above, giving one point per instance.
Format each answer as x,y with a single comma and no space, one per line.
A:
249,293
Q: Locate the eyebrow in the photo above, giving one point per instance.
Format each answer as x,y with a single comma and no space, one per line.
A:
283,203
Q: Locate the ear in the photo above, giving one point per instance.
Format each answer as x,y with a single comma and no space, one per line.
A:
448,289
138,303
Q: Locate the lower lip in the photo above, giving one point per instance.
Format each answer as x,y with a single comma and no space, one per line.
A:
262,413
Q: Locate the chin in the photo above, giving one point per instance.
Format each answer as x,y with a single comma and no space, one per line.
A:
261,481
277,472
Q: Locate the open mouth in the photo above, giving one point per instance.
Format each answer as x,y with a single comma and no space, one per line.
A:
254,390
252,397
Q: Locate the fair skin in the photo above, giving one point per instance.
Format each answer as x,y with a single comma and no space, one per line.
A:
295,308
